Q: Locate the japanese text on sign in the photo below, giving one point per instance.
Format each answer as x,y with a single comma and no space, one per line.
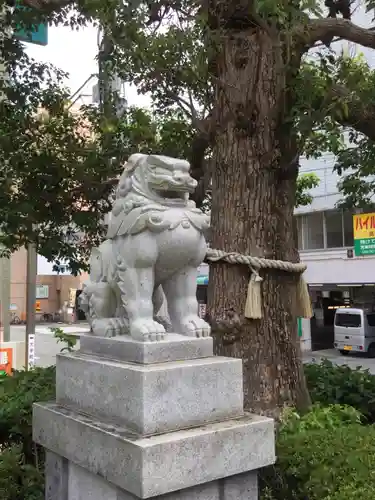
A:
364,226
364,234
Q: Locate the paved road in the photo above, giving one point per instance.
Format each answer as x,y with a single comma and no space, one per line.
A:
46,346
352,360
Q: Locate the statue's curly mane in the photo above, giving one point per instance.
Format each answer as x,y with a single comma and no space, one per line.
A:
132,181
125,182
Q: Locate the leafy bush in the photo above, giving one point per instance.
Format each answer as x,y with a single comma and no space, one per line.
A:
18,479
331,384
69,340
326,454
21,461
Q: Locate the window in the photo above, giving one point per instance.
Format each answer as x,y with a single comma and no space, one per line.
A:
313,233
371,319
329,229
299,224
333,223
348,228
348,320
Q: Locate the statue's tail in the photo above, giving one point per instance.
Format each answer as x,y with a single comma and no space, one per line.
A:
161,316
84,300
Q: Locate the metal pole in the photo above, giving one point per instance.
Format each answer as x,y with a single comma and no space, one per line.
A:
4,261
32,269
105,78
5,297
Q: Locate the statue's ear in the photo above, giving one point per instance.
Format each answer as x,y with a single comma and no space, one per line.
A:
125,181
135,158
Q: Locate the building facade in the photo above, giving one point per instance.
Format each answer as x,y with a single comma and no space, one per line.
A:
336,276
55,292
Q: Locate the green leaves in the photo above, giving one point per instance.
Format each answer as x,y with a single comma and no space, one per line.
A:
304,183
327,453
56,163
333,384
21,461
70,341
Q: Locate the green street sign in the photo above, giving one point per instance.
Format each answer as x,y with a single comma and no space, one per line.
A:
364,234
38,36
364,247
299,326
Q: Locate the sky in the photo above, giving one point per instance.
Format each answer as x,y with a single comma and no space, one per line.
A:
74,52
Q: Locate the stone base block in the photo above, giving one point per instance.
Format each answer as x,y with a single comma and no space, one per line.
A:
123,348
67,481
150,399
138,467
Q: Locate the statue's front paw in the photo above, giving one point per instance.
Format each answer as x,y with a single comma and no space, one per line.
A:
146,329
123,325
194,326
104,328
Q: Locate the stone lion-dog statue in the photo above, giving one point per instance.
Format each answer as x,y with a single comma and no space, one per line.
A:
155,243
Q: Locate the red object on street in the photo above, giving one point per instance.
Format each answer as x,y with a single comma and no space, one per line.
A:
6,360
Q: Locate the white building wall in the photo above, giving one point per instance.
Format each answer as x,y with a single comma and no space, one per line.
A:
334,267
326,194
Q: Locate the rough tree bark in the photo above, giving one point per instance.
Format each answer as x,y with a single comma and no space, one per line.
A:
254,184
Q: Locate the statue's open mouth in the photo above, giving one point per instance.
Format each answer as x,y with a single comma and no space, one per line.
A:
173,194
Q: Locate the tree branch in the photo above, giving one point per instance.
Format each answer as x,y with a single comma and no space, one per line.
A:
360,115
47,5
327,29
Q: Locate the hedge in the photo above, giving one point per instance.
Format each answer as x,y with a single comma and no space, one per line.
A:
21,461
327,454
333,384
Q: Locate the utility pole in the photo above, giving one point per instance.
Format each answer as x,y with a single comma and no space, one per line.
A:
5,277
31,274
5,270
107,106
111,102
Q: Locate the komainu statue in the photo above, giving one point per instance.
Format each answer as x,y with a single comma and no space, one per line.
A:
155,242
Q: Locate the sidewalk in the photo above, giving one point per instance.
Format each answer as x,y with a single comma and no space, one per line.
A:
76,329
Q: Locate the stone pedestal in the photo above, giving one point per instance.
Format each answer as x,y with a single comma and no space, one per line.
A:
161,420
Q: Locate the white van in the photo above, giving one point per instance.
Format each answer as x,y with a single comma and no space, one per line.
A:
355,330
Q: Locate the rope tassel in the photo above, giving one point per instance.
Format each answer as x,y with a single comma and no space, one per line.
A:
304,309
253,306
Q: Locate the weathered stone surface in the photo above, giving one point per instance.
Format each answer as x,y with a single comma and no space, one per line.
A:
56,468
240,487
155,398
84,485
124,348
147,467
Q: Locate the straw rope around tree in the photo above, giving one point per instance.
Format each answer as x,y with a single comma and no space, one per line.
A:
253,306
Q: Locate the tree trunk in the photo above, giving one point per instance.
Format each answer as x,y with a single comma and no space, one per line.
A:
254,183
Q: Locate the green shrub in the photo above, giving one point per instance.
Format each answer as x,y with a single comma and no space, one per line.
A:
21,461
18,479
326,454
331,384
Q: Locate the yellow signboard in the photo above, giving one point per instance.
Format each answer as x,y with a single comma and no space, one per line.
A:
364,226
364,234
